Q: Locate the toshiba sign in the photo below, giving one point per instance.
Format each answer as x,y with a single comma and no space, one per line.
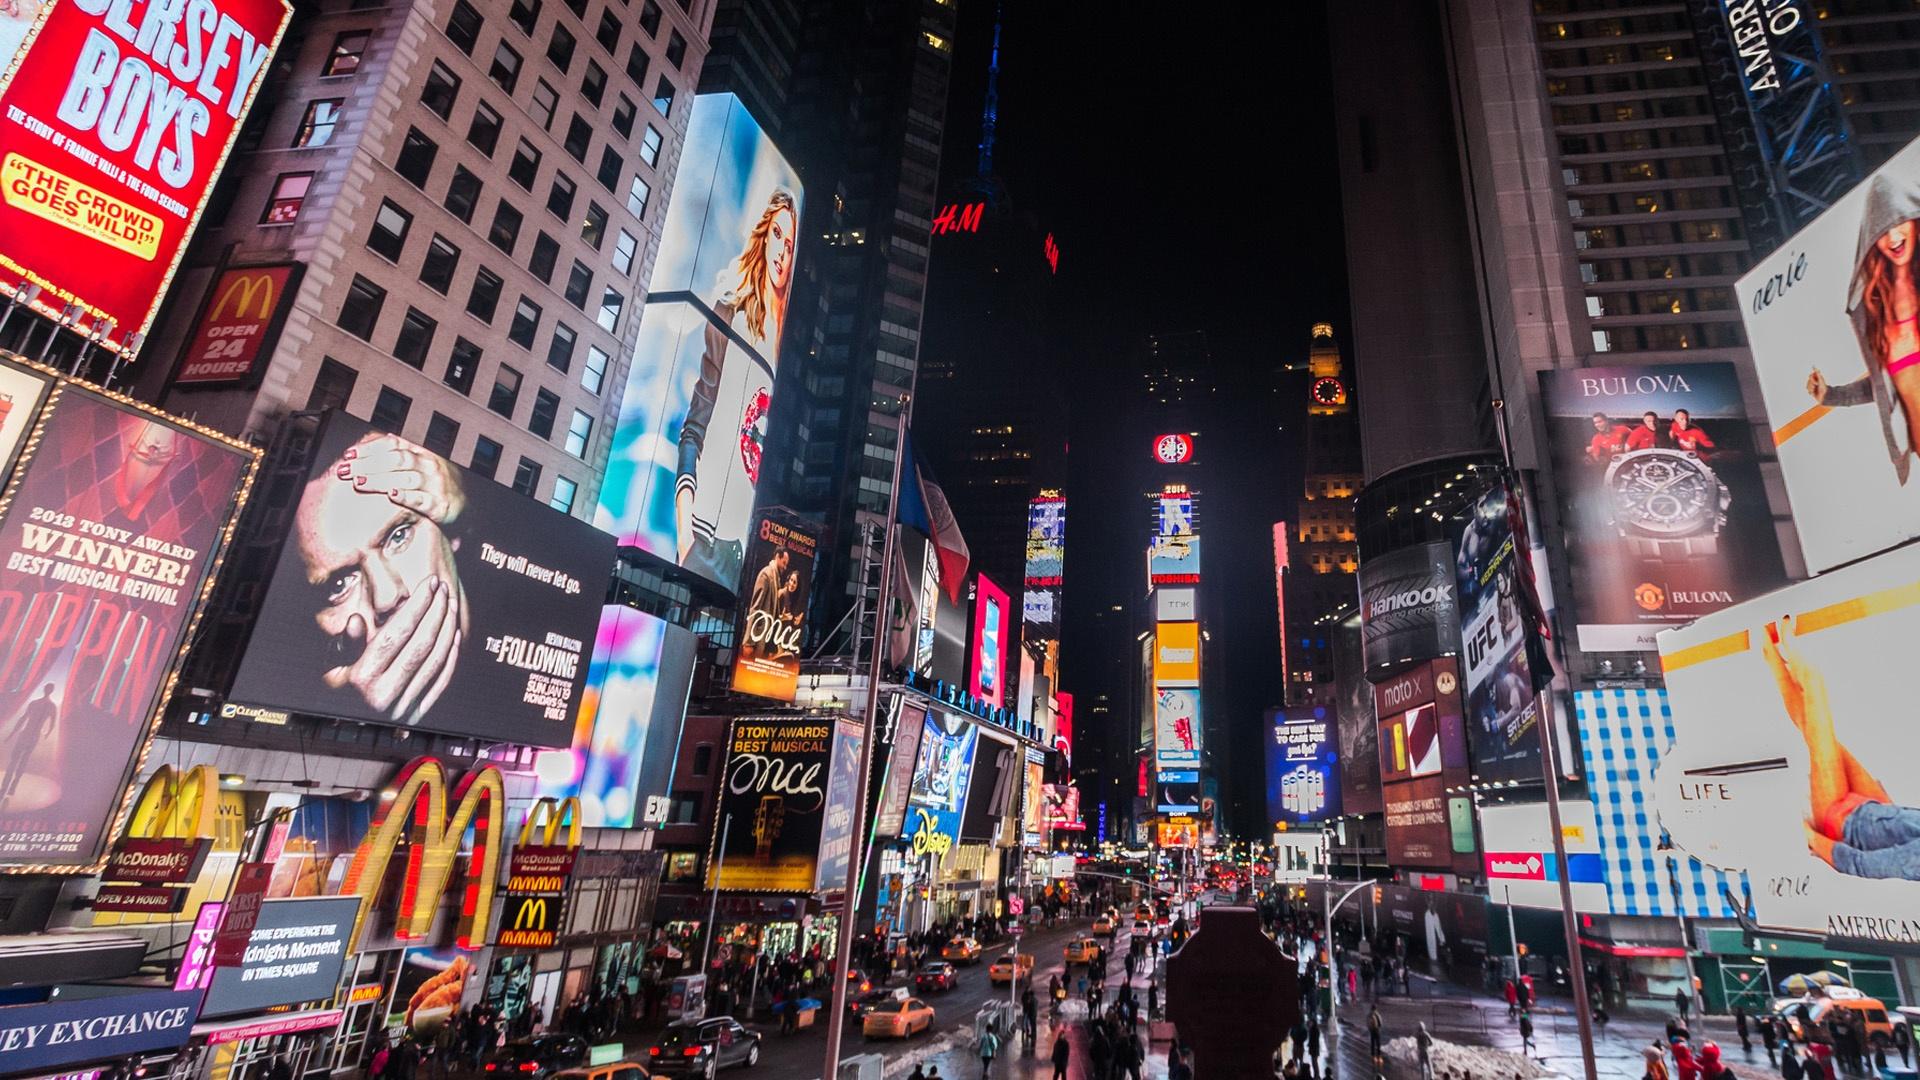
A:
115,118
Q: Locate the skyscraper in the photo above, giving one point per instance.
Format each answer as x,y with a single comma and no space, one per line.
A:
1323,555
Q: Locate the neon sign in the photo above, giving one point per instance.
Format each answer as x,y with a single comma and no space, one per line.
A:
955,217
1052,251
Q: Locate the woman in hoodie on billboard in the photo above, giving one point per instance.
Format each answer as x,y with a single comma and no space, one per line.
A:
1885,304
711,503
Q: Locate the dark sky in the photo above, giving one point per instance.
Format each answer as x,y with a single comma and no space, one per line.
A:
1187,167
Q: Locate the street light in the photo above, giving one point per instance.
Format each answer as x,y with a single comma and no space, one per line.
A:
1333,963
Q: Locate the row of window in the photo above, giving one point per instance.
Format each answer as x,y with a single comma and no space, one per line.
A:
333,389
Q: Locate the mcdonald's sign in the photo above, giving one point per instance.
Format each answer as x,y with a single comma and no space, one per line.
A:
415,807
543,867
530,922
238,324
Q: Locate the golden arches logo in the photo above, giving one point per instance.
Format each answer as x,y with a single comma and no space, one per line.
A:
177,805
546,817
418,810
242,290
532,914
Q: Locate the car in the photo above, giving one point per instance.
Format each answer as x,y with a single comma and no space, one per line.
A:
703,1047
616,1070
862,1004
539,1057
1143,913
1142,926
936,975
1104,925
901,1020
1011,968
1080,950
1870,1014
961,951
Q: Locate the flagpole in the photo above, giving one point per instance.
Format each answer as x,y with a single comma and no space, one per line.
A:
882,616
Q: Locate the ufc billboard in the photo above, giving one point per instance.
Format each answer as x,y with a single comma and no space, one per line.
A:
115,119
238,325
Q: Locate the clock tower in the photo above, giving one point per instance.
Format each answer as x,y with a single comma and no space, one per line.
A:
1322,554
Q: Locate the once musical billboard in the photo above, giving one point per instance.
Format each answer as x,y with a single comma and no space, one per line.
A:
773,621
774,791
415,593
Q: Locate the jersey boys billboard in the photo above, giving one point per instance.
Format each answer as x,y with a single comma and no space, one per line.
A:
113,125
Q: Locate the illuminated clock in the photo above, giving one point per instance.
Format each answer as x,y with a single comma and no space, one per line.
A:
1173,448
1329,391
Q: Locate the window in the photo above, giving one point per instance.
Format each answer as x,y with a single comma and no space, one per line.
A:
484,298
593,228
484,132
545,100
624,112
637,63
463,26
332,387
505,231
546,407
506,392
650,147
486,457
348,47
525,324
579,137
463,194
650,18
560,47
579,434
609,174
564,491
560,348
638,192
593,85
442,432
390,410
676,49
578,7
462,365
608,32
594,375
436,271
317,123
505,71
560,196
524,14
526,477
416,158
389,235
624,247
442,89
362,308
546,252
579,285
610,304
526,165
289,191
702,759
416,337
663,97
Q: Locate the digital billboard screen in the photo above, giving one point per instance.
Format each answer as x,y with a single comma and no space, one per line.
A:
1359,728
992,632
118,516
843,796
1177,734
686,455
773,621
1502,709
775,791
1173,553
415,593
1046,564
1408,610
1665,511
627,732
1302,765
294,954
1829,321
112,130
1176,654
942,774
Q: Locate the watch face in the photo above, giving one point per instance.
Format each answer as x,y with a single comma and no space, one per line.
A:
1329,391
1173,448
1664,492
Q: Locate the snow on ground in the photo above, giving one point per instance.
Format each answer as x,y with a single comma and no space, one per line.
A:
1470,1062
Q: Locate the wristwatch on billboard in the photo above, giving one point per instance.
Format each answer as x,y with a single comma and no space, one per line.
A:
1667,504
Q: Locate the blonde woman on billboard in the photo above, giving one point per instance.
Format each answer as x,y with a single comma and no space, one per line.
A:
1853,825
710,509
1885,305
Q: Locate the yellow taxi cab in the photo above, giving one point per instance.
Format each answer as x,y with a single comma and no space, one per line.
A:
1011,968
961,951
898,1020
1104,925
1143,912
618,1070
1080,950
1869,1014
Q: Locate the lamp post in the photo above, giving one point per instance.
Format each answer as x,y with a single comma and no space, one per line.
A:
1333,965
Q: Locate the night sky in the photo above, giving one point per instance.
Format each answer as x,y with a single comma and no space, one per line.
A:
1187,167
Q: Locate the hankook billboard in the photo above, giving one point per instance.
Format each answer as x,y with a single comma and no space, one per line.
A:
1408,610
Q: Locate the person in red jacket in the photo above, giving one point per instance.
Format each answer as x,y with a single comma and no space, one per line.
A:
1647,435
1689,438
1684,1065
1609,439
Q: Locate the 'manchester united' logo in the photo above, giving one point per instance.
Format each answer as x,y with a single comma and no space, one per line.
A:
1649,596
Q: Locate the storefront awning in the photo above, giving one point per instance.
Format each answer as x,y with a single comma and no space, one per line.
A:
259,1027
1615,949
